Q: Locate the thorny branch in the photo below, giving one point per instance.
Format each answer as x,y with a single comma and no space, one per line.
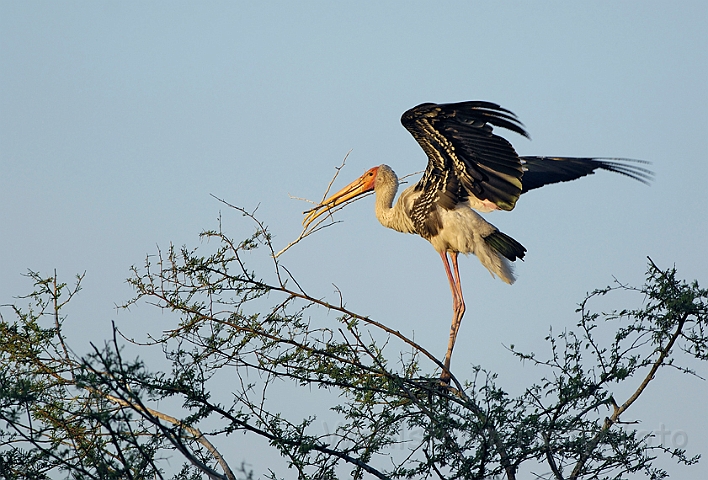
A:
232,323
664,351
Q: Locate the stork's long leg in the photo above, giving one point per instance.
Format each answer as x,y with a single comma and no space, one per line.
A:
458,284
458,308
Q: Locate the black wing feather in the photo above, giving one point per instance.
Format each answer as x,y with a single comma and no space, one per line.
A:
465,158
542,171
463,150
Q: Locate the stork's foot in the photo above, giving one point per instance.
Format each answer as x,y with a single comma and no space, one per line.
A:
446,387
425,387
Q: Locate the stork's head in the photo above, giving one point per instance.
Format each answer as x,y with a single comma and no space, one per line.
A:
361,185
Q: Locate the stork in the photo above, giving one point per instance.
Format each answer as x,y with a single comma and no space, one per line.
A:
469,169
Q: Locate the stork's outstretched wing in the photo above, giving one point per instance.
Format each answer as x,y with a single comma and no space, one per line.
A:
464,156
542,171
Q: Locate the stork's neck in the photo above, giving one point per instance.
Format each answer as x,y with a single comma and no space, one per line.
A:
390,216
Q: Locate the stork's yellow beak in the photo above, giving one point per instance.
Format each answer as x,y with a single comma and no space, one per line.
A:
361,185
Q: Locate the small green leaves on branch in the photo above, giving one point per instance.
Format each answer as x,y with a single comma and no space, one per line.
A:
238,342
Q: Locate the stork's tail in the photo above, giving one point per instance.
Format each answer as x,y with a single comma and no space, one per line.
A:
505,245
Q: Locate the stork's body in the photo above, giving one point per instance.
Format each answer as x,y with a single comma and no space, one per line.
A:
469,168
461,230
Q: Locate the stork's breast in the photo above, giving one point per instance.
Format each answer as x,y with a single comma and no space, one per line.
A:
462,230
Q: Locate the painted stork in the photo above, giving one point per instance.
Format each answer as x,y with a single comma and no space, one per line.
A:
469,168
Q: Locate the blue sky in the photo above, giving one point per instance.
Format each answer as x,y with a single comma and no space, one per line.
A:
118,120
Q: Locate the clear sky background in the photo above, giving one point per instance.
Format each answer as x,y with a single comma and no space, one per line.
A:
118,120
